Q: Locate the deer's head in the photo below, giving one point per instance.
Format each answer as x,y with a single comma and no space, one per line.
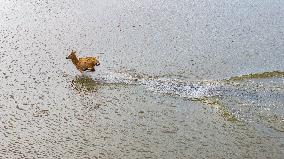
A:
72,55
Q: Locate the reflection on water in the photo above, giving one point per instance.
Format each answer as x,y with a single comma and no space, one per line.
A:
85,84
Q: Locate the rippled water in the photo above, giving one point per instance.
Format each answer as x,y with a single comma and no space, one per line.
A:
178,79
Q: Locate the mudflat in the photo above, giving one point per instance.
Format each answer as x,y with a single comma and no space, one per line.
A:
178,79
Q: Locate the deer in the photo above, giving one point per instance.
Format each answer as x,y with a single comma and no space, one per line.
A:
84,63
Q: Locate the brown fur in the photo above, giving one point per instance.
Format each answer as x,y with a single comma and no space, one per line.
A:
84,63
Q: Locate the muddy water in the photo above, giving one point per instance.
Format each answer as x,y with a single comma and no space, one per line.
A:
178,79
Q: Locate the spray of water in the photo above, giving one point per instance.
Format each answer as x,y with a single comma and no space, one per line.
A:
185,89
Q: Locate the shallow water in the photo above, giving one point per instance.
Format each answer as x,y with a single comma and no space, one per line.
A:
178,79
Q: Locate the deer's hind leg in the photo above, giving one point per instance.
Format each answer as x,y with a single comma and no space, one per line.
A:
93,69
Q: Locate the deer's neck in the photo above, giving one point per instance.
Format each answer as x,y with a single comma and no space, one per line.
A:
75,60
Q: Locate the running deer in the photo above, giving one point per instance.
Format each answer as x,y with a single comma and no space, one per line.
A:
84,63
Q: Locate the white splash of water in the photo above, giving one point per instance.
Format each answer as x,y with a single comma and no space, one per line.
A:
181,88
185,89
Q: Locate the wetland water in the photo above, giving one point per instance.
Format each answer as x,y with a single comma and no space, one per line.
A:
178,79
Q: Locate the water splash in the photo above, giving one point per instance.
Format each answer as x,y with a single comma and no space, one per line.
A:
181,88
185,89
189,89
115,78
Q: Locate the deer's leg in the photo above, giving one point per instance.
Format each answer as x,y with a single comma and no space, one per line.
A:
84,68
93,69
80,69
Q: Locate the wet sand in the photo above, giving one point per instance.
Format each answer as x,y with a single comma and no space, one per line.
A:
177,79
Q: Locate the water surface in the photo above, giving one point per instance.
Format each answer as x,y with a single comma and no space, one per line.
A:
178,79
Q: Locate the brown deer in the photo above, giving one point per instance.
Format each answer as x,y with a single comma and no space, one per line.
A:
84,63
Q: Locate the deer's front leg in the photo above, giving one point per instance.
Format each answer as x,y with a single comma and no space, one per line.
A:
81,69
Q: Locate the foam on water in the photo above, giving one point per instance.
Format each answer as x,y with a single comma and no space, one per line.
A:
185,89
115,78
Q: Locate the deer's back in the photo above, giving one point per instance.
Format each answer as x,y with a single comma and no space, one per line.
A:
87,61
